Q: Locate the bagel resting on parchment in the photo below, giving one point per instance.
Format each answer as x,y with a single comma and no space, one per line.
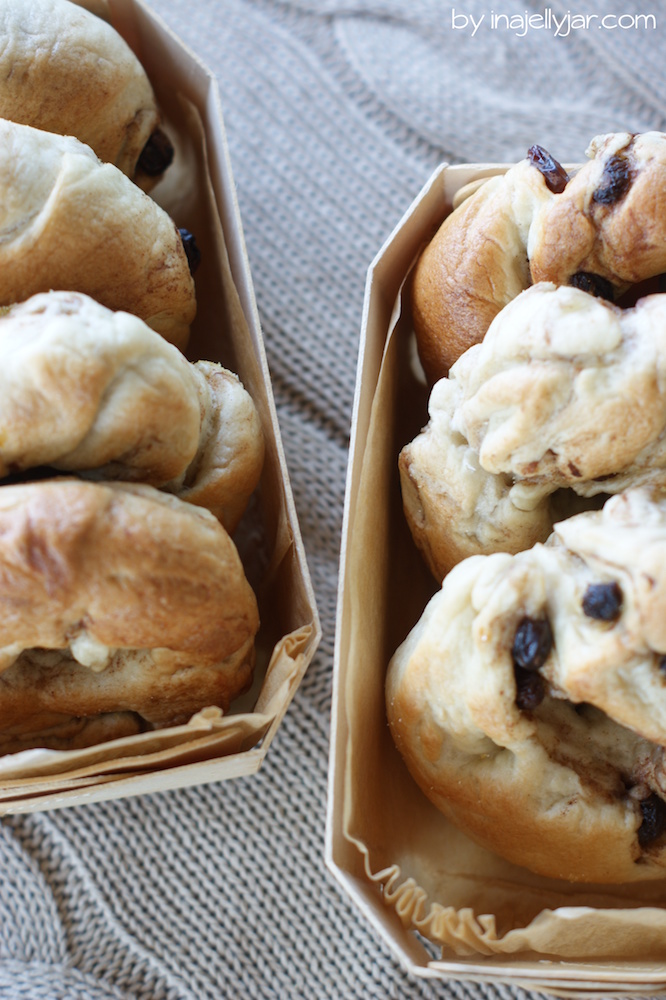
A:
529,701
117,602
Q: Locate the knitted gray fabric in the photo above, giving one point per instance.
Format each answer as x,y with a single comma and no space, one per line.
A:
337,112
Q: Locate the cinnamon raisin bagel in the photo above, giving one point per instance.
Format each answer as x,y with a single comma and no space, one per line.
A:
68,221
565,393
529,702
602,229
129,405
116,598
62,69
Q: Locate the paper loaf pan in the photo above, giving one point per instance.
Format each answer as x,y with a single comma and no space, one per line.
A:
198,192
447,908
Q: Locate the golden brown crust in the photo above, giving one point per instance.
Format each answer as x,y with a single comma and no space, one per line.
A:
133,567
64,70
75,732
227,469
142,597
41,694
558,785
69,222
514,231
475,264
609,220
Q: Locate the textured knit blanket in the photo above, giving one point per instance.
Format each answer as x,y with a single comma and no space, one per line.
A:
337,111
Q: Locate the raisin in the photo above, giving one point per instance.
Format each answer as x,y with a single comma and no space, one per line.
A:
156,155
530,689
554,174
191,249
654,820
593,284
615,181
603,601
662,665
532,643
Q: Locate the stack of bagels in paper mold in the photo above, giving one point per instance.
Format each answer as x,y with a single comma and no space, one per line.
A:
529,701
124,467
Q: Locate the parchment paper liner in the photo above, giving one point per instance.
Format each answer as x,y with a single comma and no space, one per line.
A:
430,875
198,193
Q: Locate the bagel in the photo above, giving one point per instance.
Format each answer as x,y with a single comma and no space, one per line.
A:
566,392
115,599
62,69
68,221
529,702
602,230
129,405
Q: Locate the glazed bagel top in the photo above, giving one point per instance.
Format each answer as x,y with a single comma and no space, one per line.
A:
475,264
601,229
566,391
62,69
127,402
529,702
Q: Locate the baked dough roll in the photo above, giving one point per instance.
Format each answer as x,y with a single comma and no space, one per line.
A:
68,221
117,598
601,230
566,393
529,702
62,69
476,263
87,390
610,220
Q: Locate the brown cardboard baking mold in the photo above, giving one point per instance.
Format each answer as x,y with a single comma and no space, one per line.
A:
447,909
198,191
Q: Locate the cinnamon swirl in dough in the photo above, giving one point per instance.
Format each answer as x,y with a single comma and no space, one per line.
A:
566,392
116,598
127,405
601,230
62,69
68,221
529,702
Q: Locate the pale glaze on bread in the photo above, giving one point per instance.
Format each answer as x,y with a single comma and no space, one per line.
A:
565,392
570,784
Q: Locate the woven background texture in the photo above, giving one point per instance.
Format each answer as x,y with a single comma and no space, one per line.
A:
337,111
